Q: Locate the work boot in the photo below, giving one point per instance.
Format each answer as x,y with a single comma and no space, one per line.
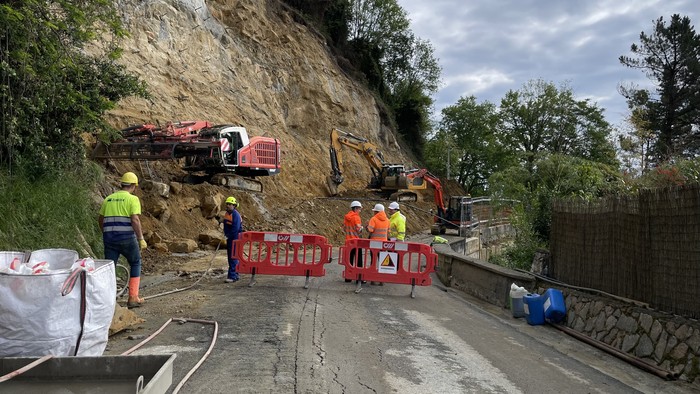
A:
134,302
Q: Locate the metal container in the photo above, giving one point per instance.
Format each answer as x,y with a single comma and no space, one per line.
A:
147,374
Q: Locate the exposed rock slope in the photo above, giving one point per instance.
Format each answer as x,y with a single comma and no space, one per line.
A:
249,62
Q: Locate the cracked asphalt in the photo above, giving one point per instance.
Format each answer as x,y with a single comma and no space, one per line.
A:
277,337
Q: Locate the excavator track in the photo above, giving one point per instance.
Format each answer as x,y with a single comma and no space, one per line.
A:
228,180
237,182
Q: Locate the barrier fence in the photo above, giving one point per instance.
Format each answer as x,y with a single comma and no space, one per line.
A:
267,253
387,262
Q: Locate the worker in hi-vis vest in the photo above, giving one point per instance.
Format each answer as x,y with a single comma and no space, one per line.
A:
397,223
378,228
352,226
120,223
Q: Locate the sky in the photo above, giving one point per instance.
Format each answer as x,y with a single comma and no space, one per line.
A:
488,47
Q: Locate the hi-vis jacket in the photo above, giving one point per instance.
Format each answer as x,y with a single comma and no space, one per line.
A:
117,210
397,227
352,225
378,226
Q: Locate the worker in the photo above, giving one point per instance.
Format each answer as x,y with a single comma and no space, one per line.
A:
120,223
233,227
352,226
378,228
397,223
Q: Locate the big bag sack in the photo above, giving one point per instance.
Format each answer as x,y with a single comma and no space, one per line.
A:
37,320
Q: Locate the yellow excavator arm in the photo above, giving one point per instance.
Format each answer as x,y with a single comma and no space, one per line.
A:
391,180
370,152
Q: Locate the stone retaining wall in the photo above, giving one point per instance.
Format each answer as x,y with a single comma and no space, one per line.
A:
669,342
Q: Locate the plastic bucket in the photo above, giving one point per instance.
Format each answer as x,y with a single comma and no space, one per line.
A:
554,306
517,306
534,309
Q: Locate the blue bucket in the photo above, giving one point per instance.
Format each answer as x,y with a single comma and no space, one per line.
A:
534,309
554,306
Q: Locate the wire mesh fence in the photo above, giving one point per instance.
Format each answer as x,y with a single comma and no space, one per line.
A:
645,247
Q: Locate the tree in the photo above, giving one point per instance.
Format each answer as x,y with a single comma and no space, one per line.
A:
468,130
410,90
542,118
670,57
635,145
561,146
51,90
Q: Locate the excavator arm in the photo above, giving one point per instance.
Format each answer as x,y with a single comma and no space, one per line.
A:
370,152
416,176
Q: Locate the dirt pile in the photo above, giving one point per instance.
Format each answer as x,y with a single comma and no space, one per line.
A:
249,62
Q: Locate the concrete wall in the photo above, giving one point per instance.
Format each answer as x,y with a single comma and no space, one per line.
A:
476,277
666,341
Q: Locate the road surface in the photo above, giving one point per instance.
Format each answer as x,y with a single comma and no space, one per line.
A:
277,337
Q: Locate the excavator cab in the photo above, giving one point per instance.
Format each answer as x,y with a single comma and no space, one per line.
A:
457,215
392,177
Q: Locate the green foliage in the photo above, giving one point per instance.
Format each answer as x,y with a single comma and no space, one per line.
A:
51,90
468,130
635,144
669,57
525,242
543,118
50,211
411,109
678,173
555,176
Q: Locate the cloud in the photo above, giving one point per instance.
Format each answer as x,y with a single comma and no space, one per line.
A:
488,47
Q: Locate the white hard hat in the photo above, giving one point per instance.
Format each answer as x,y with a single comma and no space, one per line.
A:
378,208
355,204
394,205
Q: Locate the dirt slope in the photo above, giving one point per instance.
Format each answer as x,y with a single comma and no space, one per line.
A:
249,62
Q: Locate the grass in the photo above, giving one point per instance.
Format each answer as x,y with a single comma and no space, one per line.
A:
52,212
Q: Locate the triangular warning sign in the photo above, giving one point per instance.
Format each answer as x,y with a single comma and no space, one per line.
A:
387,261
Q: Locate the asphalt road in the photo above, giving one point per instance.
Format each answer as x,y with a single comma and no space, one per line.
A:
277,337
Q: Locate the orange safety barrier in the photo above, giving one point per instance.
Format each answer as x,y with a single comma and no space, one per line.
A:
388,262
281,254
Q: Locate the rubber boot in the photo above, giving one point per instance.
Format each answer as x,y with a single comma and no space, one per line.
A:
134,300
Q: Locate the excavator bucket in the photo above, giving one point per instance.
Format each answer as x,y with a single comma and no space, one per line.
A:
332,185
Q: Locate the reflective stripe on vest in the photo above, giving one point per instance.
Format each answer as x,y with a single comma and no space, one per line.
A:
351,232
378,232
117,228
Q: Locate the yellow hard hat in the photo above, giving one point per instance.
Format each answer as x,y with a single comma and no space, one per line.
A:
130,178
231,200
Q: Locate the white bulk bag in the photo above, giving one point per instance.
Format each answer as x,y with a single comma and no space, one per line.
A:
36,320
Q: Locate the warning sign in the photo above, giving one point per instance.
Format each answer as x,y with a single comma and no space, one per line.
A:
388,262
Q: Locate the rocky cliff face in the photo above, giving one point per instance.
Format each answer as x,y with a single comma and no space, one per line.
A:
248,62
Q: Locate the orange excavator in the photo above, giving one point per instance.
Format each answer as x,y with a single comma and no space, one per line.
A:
219,154
456,215
390,180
